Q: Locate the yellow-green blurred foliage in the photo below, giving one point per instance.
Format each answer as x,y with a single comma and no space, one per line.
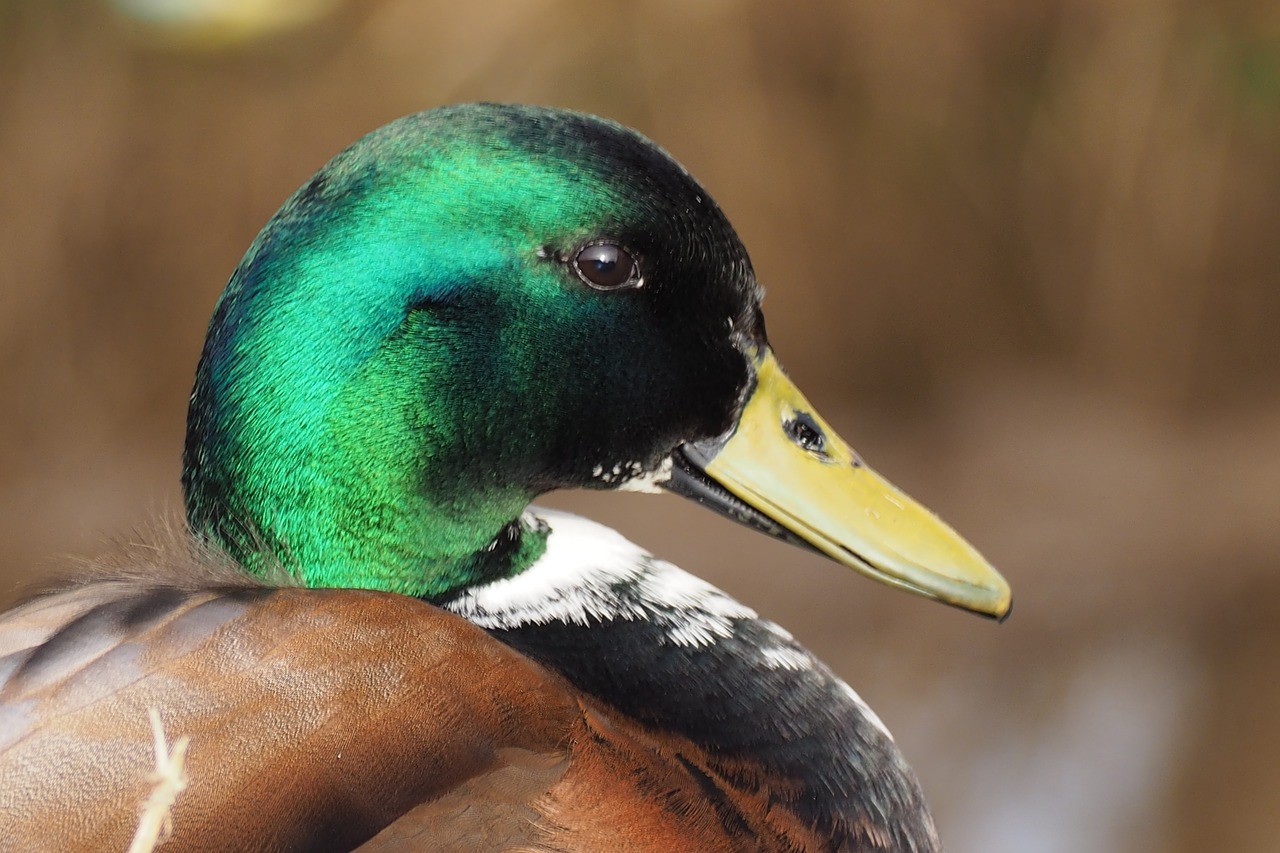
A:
1022,253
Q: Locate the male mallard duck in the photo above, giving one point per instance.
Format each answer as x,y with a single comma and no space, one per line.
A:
467,308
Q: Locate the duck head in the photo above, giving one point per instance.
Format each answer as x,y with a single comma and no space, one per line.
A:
478,304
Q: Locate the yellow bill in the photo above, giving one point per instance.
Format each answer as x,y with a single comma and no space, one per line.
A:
797,479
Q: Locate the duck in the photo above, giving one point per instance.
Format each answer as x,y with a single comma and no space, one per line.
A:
365,633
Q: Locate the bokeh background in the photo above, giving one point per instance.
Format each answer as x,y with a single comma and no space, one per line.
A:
1022,252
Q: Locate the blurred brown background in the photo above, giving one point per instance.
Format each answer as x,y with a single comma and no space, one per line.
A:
1018,252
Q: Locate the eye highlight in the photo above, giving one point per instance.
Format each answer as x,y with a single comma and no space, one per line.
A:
607,266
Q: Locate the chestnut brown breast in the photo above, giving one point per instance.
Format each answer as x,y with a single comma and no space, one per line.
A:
330,719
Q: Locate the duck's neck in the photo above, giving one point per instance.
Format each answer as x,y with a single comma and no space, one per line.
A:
672,652
346,457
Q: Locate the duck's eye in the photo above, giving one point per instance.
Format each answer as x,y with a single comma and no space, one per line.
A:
606,266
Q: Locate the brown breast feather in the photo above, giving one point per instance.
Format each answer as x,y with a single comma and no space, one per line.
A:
321,719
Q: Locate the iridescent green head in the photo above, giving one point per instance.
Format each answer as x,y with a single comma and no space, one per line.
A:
414,346
478,304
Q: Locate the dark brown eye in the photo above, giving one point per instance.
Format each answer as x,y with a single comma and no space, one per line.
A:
606,266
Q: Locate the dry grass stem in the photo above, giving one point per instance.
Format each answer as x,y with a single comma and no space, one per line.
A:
169,781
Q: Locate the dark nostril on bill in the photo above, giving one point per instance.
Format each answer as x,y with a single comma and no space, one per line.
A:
805,432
